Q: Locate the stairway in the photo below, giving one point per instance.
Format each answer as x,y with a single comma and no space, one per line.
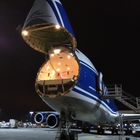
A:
116,92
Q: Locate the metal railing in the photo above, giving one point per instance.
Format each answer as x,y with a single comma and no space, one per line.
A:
116,92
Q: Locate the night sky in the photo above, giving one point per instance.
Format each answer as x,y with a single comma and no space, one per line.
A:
108,32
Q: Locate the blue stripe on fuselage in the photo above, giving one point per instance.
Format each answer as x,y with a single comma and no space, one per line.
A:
63,15
89,67
88,78
96,99
65,19
55,11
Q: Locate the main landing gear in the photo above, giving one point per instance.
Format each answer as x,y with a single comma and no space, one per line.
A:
64,130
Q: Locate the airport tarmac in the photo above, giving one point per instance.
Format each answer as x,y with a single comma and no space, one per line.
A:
49,134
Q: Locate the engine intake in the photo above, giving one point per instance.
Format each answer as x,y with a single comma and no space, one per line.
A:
39,118
52,121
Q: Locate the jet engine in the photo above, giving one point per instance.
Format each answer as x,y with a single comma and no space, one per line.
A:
50,119
40,118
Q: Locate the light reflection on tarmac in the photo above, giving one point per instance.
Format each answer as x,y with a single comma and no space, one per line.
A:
49,134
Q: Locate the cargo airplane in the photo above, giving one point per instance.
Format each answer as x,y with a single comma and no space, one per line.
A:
67,81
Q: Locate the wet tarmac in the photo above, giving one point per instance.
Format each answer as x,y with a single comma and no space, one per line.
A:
50,134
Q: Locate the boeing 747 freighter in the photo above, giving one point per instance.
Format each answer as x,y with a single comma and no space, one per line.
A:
67,81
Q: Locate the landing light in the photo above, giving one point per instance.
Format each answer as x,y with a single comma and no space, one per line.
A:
25,33
57,26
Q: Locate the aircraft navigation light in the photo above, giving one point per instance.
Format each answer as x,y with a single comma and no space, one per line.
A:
25,33
57,27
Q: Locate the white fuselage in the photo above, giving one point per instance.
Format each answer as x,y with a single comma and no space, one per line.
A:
85,105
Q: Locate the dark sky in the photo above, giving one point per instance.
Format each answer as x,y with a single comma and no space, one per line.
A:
108,32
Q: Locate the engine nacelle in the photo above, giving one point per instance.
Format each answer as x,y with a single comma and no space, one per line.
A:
50,119
40,118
